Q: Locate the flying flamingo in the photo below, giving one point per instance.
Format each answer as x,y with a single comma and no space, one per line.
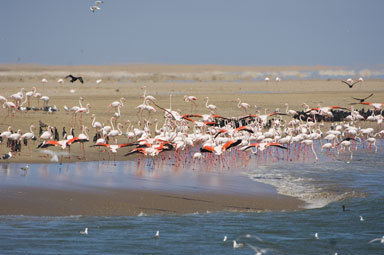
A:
376,106
113,147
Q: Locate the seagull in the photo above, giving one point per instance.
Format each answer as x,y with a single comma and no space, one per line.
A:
225,239
378,239
44,80
73,78
85,232
25,168
258,250
316,236
94,8
237,245
157,235
99,81
6,156
54,155
255,237
361,218
350,82
60,81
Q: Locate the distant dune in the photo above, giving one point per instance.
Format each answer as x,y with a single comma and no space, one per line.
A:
164,73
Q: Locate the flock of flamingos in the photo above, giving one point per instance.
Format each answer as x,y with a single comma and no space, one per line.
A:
208,138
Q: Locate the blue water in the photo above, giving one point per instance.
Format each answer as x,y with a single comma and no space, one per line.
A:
325,186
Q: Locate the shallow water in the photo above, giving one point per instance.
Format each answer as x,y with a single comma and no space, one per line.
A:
326,185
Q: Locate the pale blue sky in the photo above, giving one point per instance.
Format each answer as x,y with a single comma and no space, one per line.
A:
226,32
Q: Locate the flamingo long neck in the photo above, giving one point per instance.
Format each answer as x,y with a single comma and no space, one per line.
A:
122,102
85,132
31,129
87,106
111,121
81,106
206,102
25,101
170,102
118,129
286,110
118,110
238,105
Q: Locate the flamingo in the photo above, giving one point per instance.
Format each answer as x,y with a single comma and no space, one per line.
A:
11,109
290,112
115,132
4,135
95,124
82,110
242,105
211,107
376,106
191,99
116,104
45,99
30,94
37,95
28,136
47,135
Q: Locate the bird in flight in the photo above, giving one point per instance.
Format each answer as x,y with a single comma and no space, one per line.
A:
95,7
363,99
73,78
350,82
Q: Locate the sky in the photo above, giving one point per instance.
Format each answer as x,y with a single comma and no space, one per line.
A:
219,32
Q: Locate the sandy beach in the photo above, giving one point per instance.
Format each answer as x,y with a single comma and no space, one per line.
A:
267,96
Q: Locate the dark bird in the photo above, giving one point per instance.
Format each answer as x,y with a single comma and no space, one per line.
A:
64,133
350,84
363,99
56,135
42,124
73,78
6,156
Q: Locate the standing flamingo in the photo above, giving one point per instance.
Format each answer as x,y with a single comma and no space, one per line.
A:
211,107
191,99
242,105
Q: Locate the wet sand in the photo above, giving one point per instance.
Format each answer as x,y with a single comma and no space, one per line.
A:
91,188
123,202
